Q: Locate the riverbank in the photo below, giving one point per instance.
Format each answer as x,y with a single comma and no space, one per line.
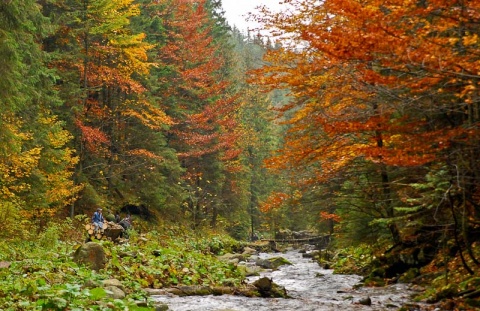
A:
309,286
41,273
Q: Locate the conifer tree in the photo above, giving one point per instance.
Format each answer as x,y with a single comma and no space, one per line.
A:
200,104
101,61
35,162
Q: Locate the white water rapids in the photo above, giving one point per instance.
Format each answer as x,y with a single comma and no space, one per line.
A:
311,288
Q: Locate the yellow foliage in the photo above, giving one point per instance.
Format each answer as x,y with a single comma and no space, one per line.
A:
470,40
13,224
38,176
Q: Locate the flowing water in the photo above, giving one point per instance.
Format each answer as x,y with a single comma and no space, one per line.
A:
310,286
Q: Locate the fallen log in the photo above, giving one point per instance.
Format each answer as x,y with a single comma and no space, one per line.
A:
110,230
302,240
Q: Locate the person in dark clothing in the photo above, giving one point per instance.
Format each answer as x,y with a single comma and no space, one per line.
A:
97,220
126,223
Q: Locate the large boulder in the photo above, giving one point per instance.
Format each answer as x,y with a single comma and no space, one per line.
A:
267,288
161,307
92,255
249,270
231,258
113,282
114,292
272,263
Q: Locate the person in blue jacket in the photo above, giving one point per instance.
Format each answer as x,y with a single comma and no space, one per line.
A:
97,220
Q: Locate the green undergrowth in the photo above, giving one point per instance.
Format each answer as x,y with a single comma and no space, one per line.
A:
353,260
38,273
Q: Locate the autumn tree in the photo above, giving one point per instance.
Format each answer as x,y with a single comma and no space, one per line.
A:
203,110
259,138
393,85
118,128
35,162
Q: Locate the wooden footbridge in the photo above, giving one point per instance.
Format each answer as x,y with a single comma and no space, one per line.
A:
319,240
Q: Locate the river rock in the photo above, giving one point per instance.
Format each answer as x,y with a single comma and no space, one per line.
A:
4,264
113,282
267,288
248,251
114,292
263,284
311,254
92,255
161,307
223,290
272,263
194,290
365,301
232,258
92,284
252,270
156,291
249,270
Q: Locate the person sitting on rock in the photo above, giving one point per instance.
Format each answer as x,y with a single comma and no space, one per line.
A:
97,220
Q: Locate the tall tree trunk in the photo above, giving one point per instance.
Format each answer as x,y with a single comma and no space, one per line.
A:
213,220
387,204
386,189
455,233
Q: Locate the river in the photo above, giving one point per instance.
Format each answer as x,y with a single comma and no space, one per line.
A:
310,286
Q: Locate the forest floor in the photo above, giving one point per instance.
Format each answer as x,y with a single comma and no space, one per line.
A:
37,272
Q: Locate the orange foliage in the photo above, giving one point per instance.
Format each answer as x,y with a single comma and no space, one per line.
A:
205,123
373,80
145,153
274,201
95,140
328,216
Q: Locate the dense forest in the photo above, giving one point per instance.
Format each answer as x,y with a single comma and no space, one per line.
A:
356,119
120,103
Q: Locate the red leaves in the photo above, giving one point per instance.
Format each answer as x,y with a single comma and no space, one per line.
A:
205,123
329,216
360,81
94,139
274,201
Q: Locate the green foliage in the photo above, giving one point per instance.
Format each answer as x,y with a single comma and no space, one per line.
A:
184,260
353,260
239,230
49,238
35,162
42,275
